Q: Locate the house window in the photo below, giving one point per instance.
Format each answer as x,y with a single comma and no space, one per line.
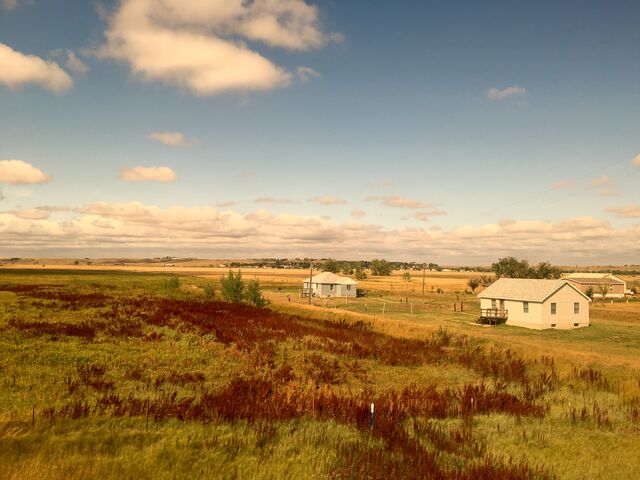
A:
576,324
525,307
576,307
331,287
493,303
553,309
553,325
348,287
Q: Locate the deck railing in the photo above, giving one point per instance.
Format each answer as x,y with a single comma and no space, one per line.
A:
494,313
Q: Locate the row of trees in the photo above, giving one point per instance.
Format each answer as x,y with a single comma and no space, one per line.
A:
378,267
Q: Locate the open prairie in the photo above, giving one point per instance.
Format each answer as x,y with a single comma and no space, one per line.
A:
116,374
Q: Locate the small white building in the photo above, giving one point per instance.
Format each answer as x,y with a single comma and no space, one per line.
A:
536,304
327,284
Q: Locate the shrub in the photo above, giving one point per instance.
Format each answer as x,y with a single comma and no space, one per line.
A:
232,287
210,290
172,283
254,296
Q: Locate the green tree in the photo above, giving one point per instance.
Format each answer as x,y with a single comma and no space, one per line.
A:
380,267
253,296
474,283
546,270
406,276
589,292
330,266
359,272
511,267
232,287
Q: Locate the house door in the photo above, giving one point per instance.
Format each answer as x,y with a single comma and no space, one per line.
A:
501,304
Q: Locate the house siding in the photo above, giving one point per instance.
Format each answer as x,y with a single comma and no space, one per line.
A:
539,316
564,317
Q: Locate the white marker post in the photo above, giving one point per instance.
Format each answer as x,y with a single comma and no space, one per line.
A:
371,418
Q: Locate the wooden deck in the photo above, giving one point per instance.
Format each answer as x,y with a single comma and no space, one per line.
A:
493,316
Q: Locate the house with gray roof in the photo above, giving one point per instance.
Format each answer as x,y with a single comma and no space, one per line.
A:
599,283
534,303
327,284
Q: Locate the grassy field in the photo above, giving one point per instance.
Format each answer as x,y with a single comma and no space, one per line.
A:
124,375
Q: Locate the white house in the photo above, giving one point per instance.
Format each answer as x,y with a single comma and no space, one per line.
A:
327,284
535,304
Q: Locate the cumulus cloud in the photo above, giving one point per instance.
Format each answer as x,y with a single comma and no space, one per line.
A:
196,45
133,226
306,73
631,211
158,174
75,64
18,172
636,160
398,202
561,184
172,139
604,186
18,69
328,200
12,4
497,94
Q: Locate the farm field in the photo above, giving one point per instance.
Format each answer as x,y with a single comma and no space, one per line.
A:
122,374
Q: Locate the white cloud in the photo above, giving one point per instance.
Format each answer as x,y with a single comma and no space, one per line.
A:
631,211
498,94
158,174
358,213
18,69
398,202
247,174
107,228
172,139
306,73
10,5
328,200
75,64
17,172
195,44
604,186
274,200
425,216
636,160
561,184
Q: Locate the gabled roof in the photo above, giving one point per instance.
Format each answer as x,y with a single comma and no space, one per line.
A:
595,281
525,289
594,278
328,278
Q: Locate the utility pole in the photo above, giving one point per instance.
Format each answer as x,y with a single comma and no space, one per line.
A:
310,277
423,275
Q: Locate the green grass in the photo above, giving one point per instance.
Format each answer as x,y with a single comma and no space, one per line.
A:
38,371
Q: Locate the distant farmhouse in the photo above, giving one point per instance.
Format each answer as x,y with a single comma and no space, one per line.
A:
536,304
327,284
614,287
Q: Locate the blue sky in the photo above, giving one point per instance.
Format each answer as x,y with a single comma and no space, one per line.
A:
447,131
